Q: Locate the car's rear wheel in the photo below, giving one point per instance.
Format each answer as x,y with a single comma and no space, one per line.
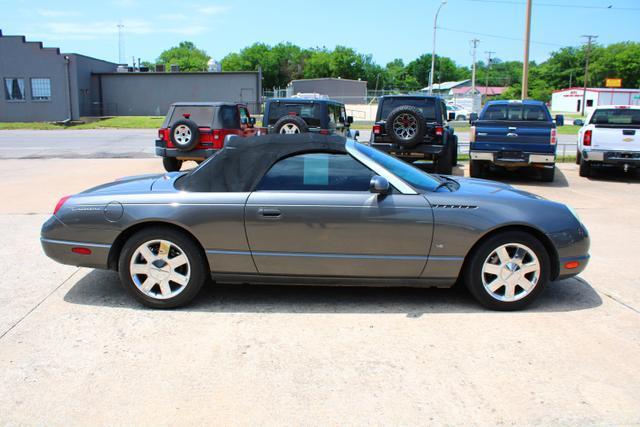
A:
171,164
444,162
578,157
507,271
454,157
162,267
585,168
291,125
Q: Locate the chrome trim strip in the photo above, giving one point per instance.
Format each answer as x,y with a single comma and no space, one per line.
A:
318,255
446,258
403,187
69,243
478,155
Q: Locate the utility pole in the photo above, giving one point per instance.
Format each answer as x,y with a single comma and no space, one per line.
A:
589,38
525,63
486,83
120,43
473,66
433,51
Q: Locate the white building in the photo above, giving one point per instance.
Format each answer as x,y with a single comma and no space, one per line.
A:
570,100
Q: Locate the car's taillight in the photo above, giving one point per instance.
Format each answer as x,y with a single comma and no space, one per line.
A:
59,204
324,132
553,138
163,134
439,130
586,138
472,134
377,129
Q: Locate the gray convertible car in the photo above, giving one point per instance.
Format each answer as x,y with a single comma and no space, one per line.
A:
314,209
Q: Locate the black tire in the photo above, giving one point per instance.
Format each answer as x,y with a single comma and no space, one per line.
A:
284,122
413,116
198,266
477,169
585,168
473,269
578,157
187,141
444,162
171,164
455,151
547,175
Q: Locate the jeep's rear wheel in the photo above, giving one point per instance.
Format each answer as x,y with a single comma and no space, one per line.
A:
291,125
406,126
444,162
171,164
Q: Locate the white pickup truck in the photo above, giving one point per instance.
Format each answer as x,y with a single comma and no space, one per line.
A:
610,136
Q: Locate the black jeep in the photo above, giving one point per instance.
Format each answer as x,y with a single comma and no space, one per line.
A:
414,127
300,115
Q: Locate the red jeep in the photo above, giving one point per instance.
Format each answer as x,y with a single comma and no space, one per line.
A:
196,130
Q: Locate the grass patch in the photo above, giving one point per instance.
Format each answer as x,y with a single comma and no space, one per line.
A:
121,122
568,130
361,125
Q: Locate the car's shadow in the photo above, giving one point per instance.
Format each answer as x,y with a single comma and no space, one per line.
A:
614,174
102,288
526,177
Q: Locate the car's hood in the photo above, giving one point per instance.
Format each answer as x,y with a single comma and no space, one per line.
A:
131,184
478,187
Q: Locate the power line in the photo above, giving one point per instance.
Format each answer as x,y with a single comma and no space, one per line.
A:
570,6
474,33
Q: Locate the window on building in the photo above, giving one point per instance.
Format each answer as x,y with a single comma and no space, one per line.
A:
14,89
589,102
41,89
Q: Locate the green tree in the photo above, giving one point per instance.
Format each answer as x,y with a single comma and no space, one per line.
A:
186,55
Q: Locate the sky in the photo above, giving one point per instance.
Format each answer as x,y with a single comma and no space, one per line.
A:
386,29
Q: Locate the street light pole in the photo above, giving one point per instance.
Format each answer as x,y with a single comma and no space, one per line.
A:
433,51
525,64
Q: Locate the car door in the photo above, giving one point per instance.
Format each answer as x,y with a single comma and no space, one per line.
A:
313,215
248,129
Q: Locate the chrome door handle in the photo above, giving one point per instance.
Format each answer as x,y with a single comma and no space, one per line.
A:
270,212
512,134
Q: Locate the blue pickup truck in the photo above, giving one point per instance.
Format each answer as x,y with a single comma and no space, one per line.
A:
513,134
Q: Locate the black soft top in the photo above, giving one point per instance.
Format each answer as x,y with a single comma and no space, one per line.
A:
242,163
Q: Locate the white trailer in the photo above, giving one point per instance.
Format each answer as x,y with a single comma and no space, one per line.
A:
570,100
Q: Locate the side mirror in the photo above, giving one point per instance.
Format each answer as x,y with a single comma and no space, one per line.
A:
244,121
379,185
559,120
473,117
578,122
451,116
230,138
252,121
349,119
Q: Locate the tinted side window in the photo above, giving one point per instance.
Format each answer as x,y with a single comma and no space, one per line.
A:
229,117
317,172
309,112
203,116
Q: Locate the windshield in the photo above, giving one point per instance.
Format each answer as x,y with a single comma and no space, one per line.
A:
413,176
517,112
616,116
427,106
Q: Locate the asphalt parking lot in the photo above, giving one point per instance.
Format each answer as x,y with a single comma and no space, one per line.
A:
75,349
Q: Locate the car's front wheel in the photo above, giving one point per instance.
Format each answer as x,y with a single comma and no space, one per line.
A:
162,267
507,271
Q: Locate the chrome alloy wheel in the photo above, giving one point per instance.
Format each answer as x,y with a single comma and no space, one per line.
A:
290,128
405,126
510,272
160,269
182,134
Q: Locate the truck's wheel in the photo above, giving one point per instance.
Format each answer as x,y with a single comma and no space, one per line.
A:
171,164
547,175
406,126
585,168
477,169
184,134
291,125
578,157
444,162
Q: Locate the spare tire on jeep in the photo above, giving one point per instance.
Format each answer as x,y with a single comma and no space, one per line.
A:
291,125
406,126
184,134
